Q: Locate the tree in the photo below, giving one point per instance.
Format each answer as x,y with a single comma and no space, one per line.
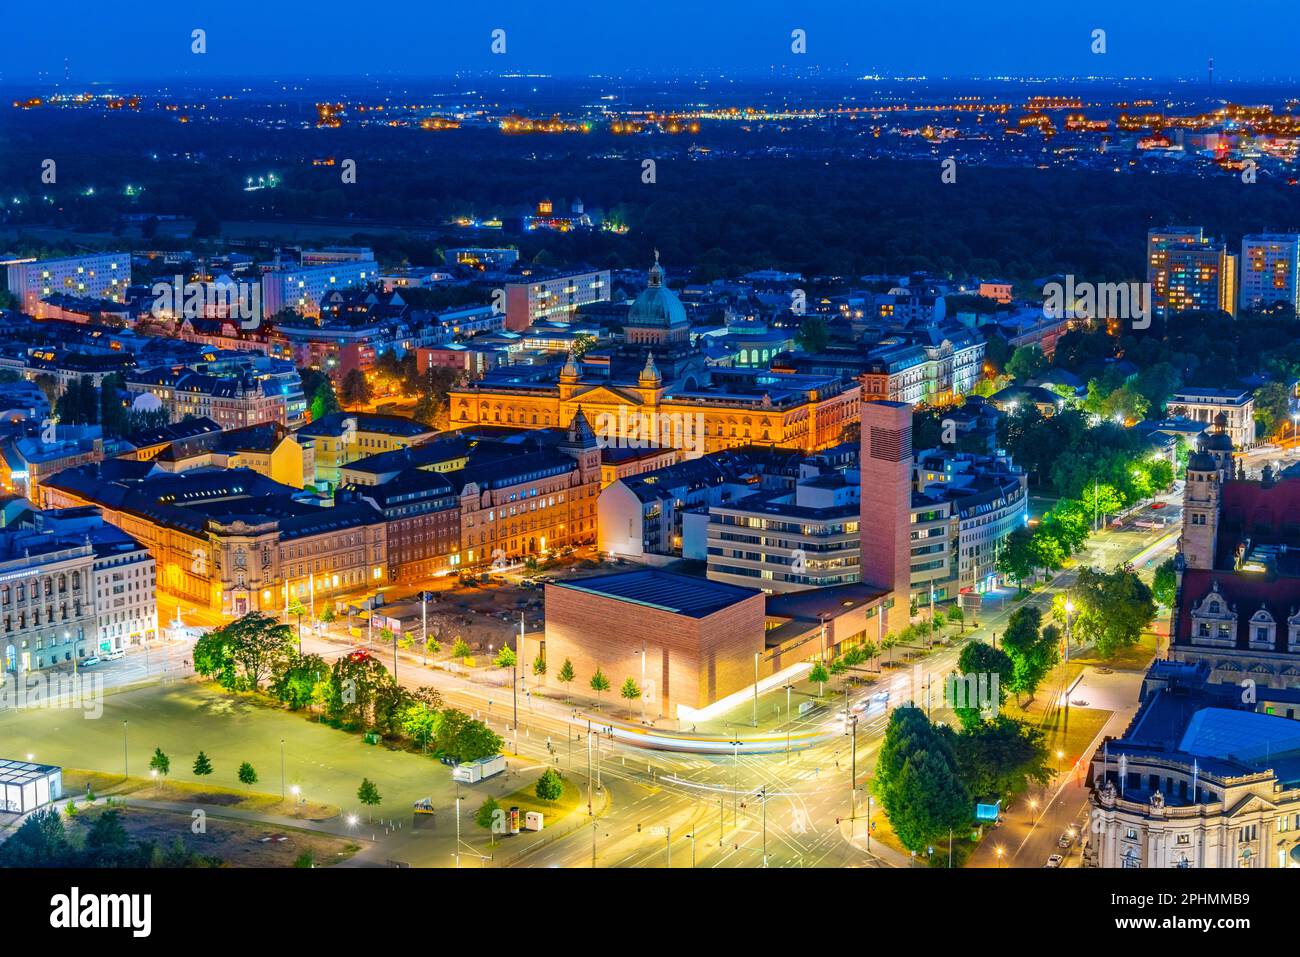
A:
40,841
299,684
630,692
1002,757
160,762
565,675
1017,558
539,665
328,615
358,682
243,653
813,335
202,765
487,815
550,786
955,614
461,738
368,794
1272,409
420,723
460,649
506,657
246,774
599,683
1026,362
1114,609
819,674
1164,583
319,392
887,644
917,781
1032,652
356,389
986,664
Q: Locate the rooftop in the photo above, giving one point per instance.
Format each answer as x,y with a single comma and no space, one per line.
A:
679,594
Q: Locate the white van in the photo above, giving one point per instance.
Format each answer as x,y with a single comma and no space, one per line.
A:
114,655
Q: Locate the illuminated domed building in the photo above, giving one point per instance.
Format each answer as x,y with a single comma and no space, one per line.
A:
656,388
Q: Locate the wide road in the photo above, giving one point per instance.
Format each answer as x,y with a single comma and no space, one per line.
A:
717,810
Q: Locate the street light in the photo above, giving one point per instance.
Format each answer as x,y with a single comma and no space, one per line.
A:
1000,856
1069,610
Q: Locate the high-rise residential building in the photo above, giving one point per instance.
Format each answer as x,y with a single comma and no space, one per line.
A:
1270,265
1190,272
301,288
97,276
553,297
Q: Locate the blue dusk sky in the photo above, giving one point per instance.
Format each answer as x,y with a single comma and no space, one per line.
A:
127,39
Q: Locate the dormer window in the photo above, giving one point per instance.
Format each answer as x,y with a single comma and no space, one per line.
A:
1263,629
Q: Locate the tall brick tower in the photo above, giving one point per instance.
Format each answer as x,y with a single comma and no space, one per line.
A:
886,467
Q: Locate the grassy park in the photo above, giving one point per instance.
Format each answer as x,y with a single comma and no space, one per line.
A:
326,765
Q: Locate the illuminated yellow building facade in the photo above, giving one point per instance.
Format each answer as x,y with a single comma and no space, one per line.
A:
233,541
747,407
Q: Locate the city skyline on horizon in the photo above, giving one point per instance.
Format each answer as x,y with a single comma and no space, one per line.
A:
961,41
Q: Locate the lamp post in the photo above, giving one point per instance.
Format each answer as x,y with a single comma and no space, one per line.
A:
756,654
1069,610
514,679
424,621
126,772
735,756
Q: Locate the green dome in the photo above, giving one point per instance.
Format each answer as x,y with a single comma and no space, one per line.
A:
657,306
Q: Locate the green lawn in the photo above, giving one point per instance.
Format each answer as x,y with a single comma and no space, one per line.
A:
327,765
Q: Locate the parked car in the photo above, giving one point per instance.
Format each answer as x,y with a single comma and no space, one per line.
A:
1066,839
115,654
92,660
1055,860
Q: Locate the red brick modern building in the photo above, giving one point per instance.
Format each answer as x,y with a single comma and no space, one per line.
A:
885,464
699,637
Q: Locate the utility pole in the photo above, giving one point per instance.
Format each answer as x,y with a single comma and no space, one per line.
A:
763,792
126,772
457,830
853,782
590,805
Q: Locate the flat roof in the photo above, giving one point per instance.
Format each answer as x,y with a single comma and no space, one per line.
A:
679,594
24,772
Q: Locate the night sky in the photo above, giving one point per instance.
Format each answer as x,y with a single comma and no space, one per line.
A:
127,39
